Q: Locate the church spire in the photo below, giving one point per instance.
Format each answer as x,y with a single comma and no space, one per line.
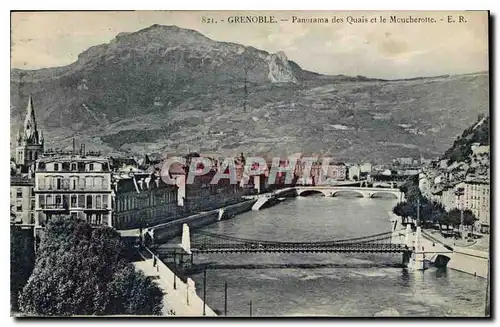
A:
30,128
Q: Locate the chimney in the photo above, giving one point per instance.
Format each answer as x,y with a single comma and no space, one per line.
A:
82,149
74,146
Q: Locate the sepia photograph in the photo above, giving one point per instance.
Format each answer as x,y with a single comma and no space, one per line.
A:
250,164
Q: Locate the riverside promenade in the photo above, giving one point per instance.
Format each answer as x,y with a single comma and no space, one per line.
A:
179,299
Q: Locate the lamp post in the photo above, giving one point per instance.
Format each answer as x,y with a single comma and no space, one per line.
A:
204,291
487,302
225,299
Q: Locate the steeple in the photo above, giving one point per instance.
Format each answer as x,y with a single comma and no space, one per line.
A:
29,139
30,128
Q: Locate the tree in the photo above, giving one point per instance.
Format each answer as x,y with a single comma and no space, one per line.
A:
82,270
454,217
22,260
469,218
438,214
404,210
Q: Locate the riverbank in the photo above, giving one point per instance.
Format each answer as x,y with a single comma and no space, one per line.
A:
163,232
467,258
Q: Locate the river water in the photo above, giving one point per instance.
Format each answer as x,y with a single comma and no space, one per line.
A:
352,285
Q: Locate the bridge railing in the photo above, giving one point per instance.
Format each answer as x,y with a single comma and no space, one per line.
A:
375,237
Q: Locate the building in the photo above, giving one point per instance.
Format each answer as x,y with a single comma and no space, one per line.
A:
478,149
405,161
201,194
29,144
354,173
475,196
337,171
142,199
76,184
22,200
365,167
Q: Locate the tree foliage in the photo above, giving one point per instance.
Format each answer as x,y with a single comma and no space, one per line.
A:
82,270
22,260
455,216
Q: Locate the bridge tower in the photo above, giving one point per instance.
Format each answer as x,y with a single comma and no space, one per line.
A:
186,239
407,236
417,261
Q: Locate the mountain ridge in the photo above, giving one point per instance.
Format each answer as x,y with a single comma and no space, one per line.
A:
187,88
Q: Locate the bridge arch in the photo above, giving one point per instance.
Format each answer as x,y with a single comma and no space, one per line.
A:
306,192
380,194
441,261
347,192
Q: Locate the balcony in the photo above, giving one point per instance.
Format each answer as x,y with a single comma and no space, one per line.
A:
94,209
76,189
58,207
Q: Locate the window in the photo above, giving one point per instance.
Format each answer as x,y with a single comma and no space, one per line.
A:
98,201
19,193
59,183
74,183
49,199
81,201
58,200
73,167
65,201
74,201
56,167
105,201
32,191
41,200
33,204
19,207
91,167
89,201
66,184
48,182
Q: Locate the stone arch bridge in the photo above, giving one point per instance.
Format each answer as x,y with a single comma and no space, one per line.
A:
366,192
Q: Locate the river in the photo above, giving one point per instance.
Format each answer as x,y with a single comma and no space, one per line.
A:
353,285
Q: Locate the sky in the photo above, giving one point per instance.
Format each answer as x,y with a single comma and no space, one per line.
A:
384,50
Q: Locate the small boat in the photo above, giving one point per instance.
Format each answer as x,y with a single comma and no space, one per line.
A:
281,199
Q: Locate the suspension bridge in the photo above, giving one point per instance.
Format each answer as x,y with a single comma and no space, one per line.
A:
206,242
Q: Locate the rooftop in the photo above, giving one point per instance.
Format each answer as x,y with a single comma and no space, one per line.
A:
70,156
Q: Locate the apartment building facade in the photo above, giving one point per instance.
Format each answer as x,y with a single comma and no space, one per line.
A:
143,199
75,184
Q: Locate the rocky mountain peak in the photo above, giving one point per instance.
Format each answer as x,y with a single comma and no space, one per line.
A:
280,70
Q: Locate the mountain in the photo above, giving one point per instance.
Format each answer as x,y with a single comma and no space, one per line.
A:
165,88
478,133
